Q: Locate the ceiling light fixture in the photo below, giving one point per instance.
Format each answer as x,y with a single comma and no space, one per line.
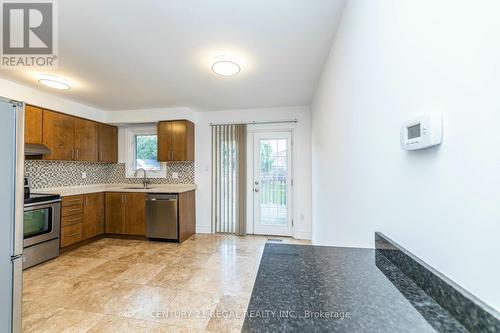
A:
226,68
54,81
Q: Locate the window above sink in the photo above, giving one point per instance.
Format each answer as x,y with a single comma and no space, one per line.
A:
142,152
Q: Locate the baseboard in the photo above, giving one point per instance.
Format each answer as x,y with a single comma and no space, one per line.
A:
203,229
302,235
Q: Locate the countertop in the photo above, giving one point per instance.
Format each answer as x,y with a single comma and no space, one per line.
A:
85,189
302,288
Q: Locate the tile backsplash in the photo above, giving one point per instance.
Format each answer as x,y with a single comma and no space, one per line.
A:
57,174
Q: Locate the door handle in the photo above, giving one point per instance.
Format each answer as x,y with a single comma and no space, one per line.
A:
256,190
256,182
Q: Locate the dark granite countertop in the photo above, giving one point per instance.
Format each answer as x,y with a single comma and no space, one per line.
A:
332,289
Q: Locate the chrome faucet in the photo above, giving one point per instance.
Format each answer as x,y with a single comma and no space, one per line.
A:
145,181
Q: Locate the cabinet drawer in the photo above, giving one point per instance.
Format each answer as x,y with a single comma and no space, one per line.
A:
71,234
72,200
71,210
72,219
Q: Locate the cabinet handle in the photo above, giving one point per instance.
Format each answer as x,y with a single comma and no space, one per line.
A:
73,220
74,210
123,200
86,200
101,159
72,235
77,153
73,200
72,154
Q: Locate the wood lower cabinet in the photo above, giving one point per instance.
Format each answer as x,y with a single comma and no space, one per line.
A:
175,141
126,213
71,220
135,214
33,124
187,215
58,135
115,213
93,218
85,140
108,144
82,217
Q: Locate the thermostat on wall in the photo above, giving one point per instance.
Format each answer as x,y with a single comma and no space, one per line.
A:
422,132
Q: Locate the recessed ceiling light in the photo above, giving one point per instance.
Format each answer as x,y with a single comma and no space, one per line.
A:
226,68
54,81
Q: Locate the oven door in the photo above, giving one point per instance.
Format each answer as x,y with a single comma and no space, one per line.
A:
41,222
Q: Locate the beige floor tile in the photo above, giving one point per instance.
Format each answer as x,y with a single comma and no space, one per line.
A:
64,321
138,273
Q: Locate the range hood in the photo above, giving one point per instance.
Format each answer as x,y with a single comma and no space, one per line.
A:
35,149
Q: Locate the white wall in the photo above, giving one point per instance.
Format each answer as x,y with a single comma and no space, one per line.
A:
202,120
29,95
392,60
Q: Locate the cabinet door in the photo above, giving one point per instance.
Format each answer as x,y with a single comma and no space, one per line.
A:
164,140
136,214
86,140
90,205
108,144
179,141
115,213
33,125
101,215
58,132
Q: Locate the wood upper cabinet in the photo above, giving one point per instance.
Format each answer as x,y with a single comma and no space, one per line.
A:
33,124
126,213
115,213
58,135
108,144
136,214
85,140
175,141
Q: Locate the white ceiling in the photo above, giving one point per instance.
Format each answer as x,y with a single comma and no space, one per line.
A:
124,54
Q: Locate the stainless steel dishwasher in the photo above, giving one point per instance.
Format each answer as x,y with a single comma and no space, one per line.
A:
162,216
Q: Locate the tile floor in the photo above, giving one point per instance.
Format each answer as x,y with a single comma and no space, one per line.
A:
117,285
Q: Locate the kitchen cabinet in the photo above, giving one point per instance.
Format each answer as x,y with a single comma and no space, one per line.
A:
108,144
71,220
93,215
85,140
126,213
33,124
100,213
135,214
71,138
115,213
175,141
187,215
58,135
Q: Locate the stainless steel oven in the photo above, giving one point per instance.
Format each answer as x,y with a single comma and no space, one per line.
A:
41,222
41,226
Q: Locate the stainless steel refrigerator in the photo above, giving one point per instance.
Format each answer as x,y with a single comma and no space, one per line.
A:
11,213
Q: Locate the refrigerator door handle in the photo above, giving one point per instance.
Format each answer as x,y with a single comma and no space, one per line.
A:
17,294
19,182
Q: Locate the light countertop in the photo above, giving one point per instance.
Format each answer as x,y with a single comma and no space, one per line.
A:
85,189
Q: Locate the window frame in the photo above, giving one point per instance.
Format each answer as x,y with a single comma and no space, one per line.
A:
130,169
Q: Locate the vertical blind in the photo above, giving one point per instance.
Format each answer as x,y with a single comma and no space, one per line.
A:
229,178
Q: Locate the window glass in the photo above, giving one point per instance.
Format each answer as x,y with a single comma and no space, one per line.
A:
146,152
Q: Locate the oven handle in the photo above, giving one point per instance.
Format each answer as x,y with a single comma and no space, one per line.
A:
42,203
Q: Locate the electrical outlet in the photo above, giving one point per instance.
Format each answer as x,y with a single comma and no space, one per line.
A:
84,175
175,175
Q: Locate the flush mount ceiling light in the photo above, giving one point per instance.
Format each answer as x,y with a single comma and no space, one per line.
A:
226,68
54,81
